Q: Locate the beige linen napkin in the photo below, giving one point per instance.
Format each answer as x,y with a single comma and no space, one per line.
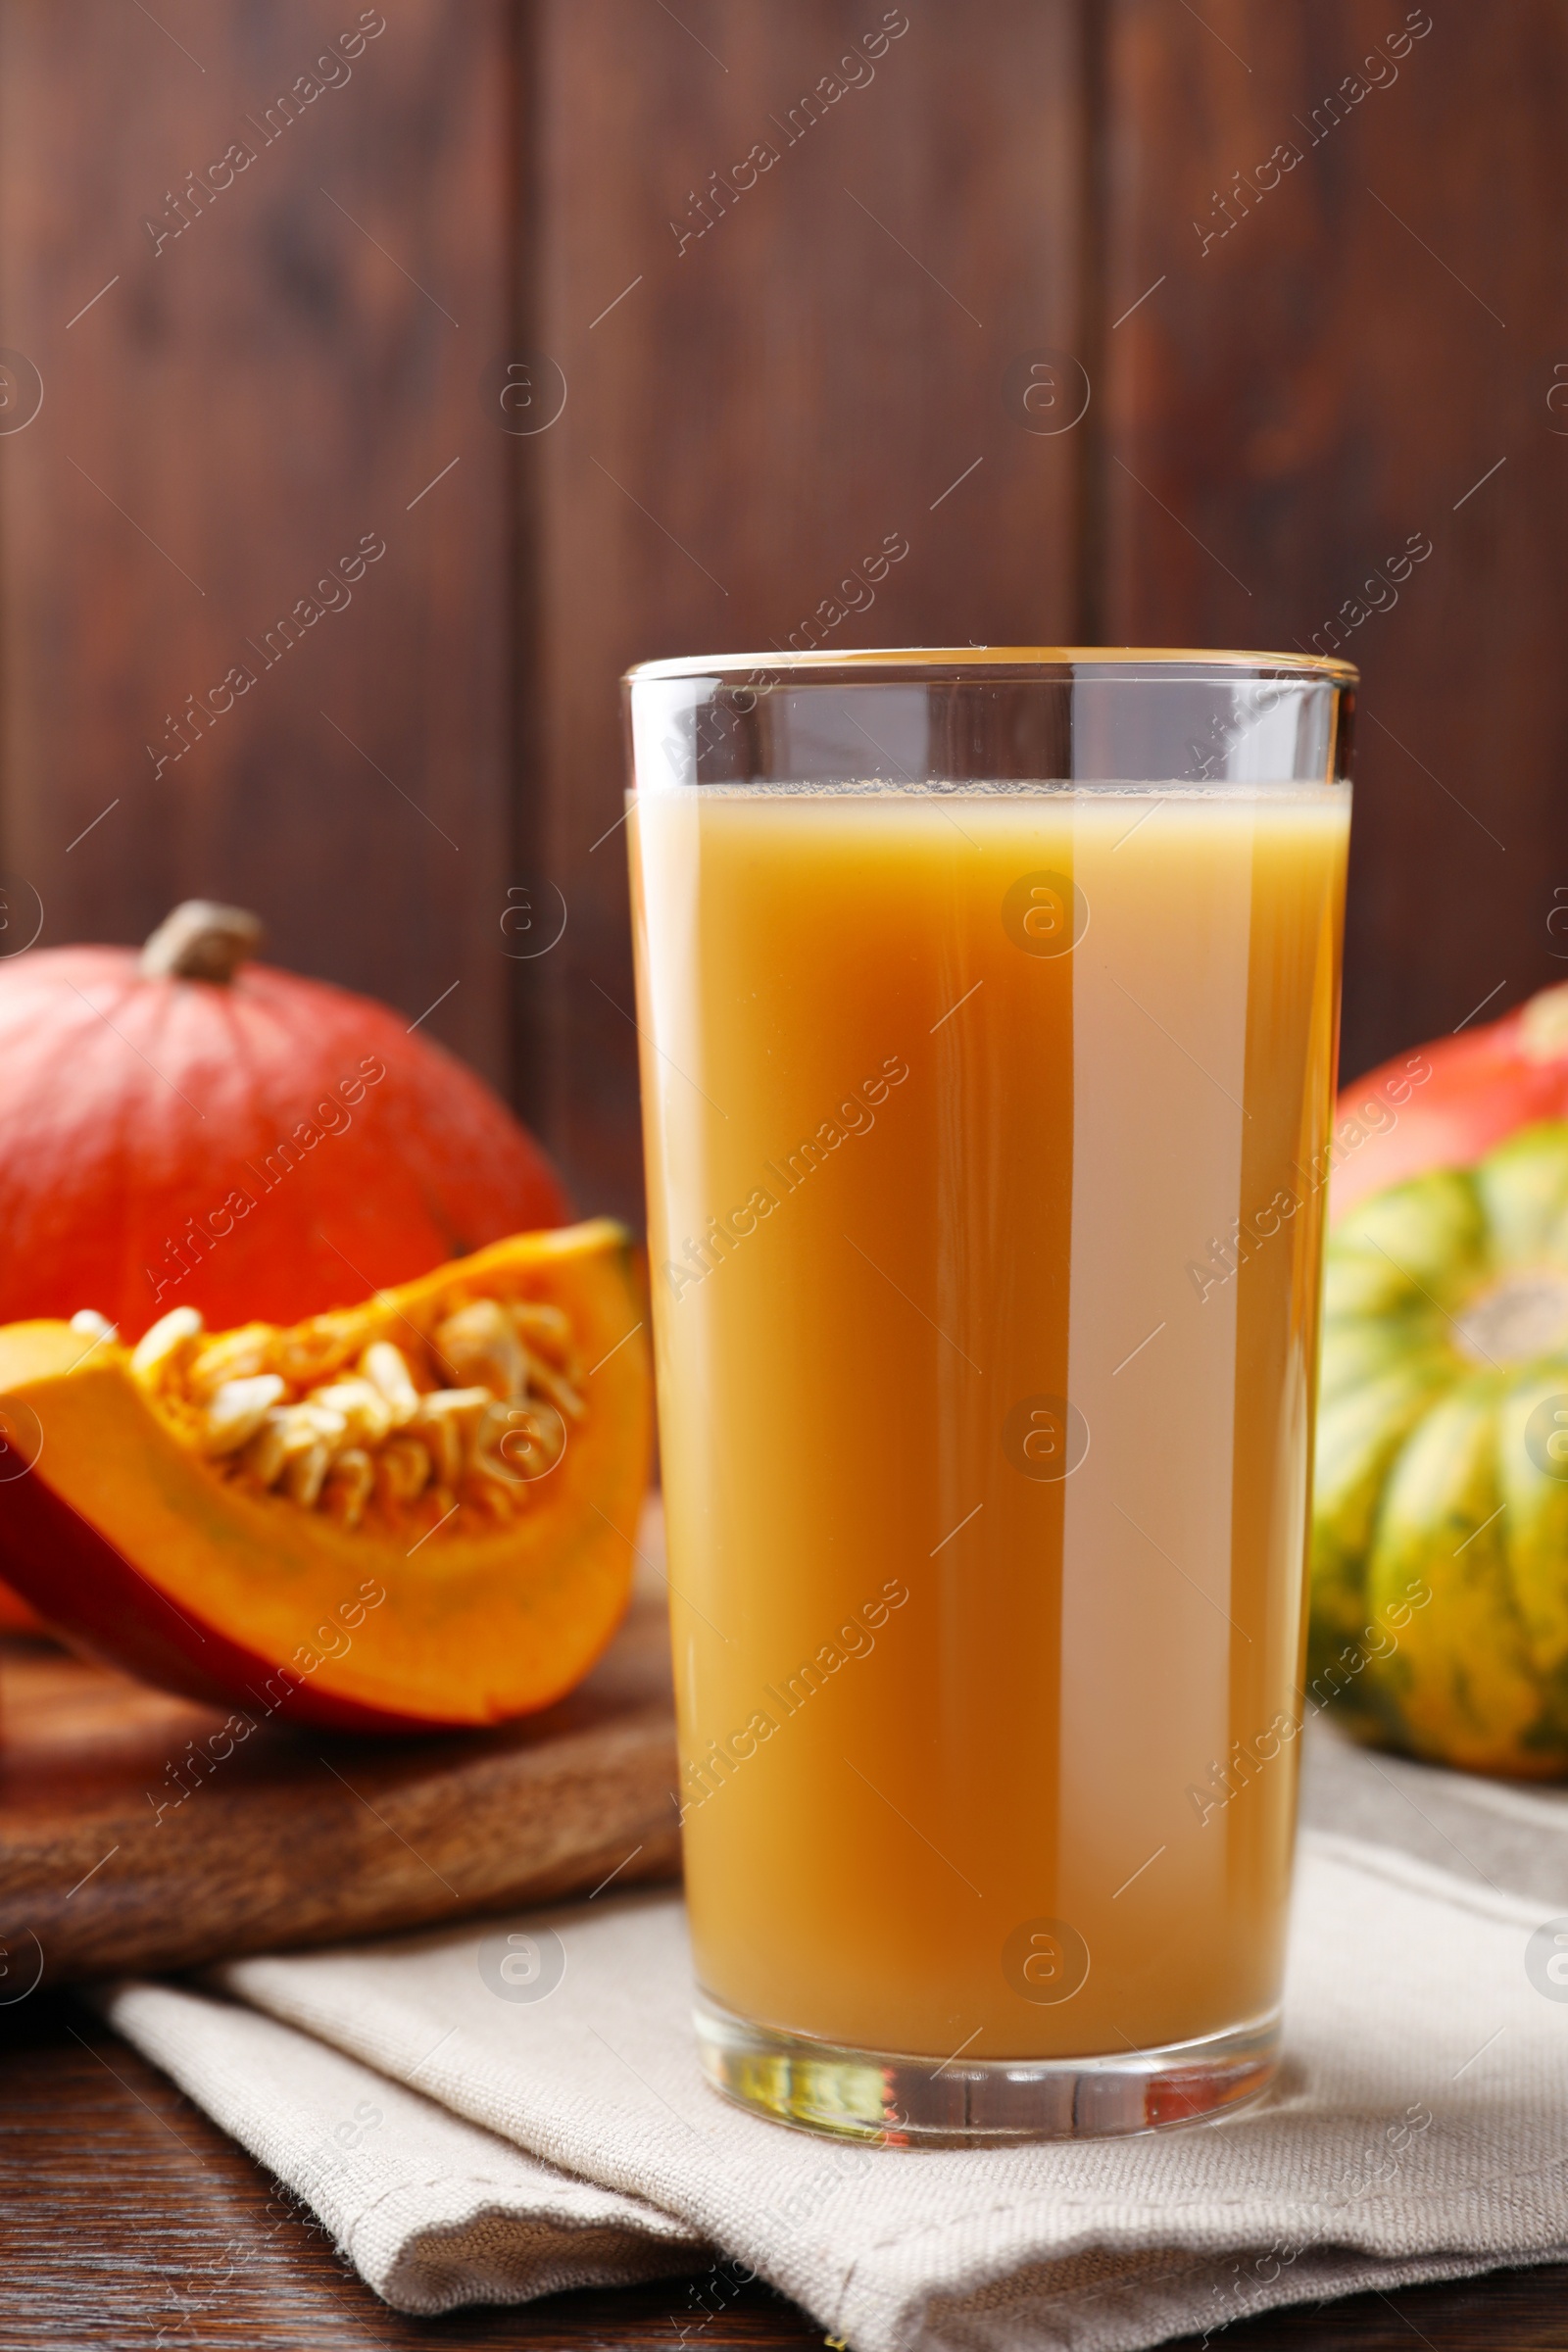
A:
1421,2131
431,2212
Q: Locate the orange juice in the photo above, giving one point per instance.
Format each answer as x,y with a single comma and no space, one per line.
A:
984,1154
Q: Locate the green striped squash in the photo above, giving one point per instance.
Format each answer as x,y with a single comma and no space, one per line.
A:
1439,1529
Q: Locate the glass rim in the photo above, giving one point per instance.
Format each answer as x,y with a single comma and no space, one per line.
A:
1047,662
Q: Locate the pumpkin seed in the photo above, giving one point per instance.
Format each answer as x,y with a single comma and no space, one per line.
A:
479,1347
305,1475
348,1484
167,1345
388,1367
335,1414
238,1411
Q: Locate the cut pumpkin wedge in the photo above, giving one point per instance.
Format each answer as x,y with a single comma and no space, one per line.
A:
412,1514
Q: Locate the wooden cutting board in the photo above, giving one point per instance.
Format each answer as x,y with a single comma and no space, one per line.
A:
300,1836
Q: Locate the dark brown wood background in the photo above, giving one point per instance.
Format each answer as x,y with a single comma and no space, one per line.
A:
370,331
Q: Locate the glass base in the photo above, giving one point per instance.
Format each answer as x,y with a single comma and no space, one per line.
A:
898,2101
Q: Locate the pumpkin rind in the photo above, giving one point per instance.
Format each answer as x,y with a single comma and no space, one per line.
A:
1439,1578
1461,1676
132,1543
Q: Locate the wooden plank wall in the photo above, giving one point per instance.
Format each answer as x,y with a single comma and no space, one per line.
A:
248,398
697,349
1364,353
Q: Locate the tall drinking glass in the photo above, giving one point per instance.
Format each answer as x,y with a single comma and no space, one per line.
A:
988,1003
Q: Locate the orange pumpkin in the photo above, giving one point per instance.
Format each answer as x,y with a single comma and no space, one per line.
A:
185,1128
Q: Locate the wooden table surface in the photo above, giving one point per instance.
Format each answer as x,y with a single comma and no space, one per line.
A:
137,1836
128,2220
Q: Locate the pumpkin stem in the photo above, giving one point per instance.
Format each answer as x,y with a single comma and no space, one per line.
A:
201,941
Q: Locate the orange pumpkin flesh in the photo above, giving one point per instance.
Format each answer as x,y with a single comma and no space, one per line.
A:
439,1611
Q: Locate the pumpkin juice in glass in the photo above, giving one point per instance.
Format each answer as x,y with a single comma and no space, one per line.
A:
989,1006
